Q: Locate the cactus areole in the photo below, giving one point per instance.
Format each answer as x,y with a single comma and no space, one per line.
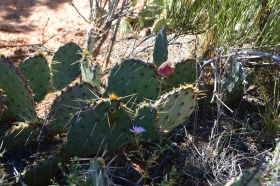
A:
165,69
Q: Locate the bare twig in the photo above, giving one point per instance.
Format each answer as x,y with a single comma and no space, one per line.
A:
260,64
20,55
245,82
243,55
10,30
80,13
217,97
112,43
4,46
43,34
215,82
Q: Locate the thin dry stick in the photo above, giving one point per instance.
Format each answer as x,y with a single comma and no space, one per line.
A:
43,34
80,13
112,42
3,46
243,55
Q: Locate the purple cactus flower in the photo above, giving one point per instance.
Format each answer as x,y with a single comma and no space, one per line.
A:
137,130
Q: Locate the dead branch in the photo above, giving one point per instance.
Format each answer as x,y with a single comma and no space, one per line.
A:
23,45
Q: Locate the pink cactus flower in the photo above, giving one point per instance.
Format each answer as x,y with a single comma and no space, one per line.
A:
165,69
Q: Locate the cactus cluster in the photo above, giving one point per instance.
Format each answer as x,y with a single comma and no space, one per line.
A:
92,119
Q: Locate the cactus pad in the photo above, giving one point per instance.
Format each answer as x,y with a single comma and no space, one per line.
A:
160,54
90,72
184,73
42,171
18,96
232,82
175,107
21,135
104,124
37,72
133,77
145,117
65,65
67,104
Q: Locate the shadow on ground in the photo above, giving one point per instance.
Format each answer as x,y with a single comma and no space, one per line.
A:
15,11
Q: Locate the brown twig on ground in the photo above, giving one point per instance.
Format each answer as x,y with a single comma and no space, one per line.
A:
10,30
20,55
4,46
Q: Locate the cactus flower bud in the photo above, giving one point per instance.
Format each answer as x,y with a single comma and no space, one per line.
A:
165,69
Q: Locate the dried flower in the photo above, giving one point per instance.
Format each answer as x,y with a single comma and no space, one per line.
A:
137,130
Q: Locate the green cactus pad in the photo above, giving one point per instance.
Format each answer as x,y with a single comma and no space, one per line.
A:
185,72
90,72
21,135
18,97
145,117
1,102
37,72
67,104
232,82
133,77
65,65
103,125
175,107
42,171
160,54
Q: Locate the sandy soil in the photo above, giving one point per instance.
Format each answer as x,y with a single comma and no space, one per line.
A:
31,22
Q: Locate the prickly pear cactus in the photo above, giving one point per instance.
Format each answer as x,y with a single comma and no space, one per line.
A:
21,135
146,117
133,77
1,102
175,107
90,41
90,72
18,97
104,124
42,171
185,72
67,104
233,88
37,72
97,173
160,54
65,65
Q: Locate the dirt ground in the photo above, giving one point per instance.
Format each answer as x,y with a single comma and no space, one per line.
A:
40,22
